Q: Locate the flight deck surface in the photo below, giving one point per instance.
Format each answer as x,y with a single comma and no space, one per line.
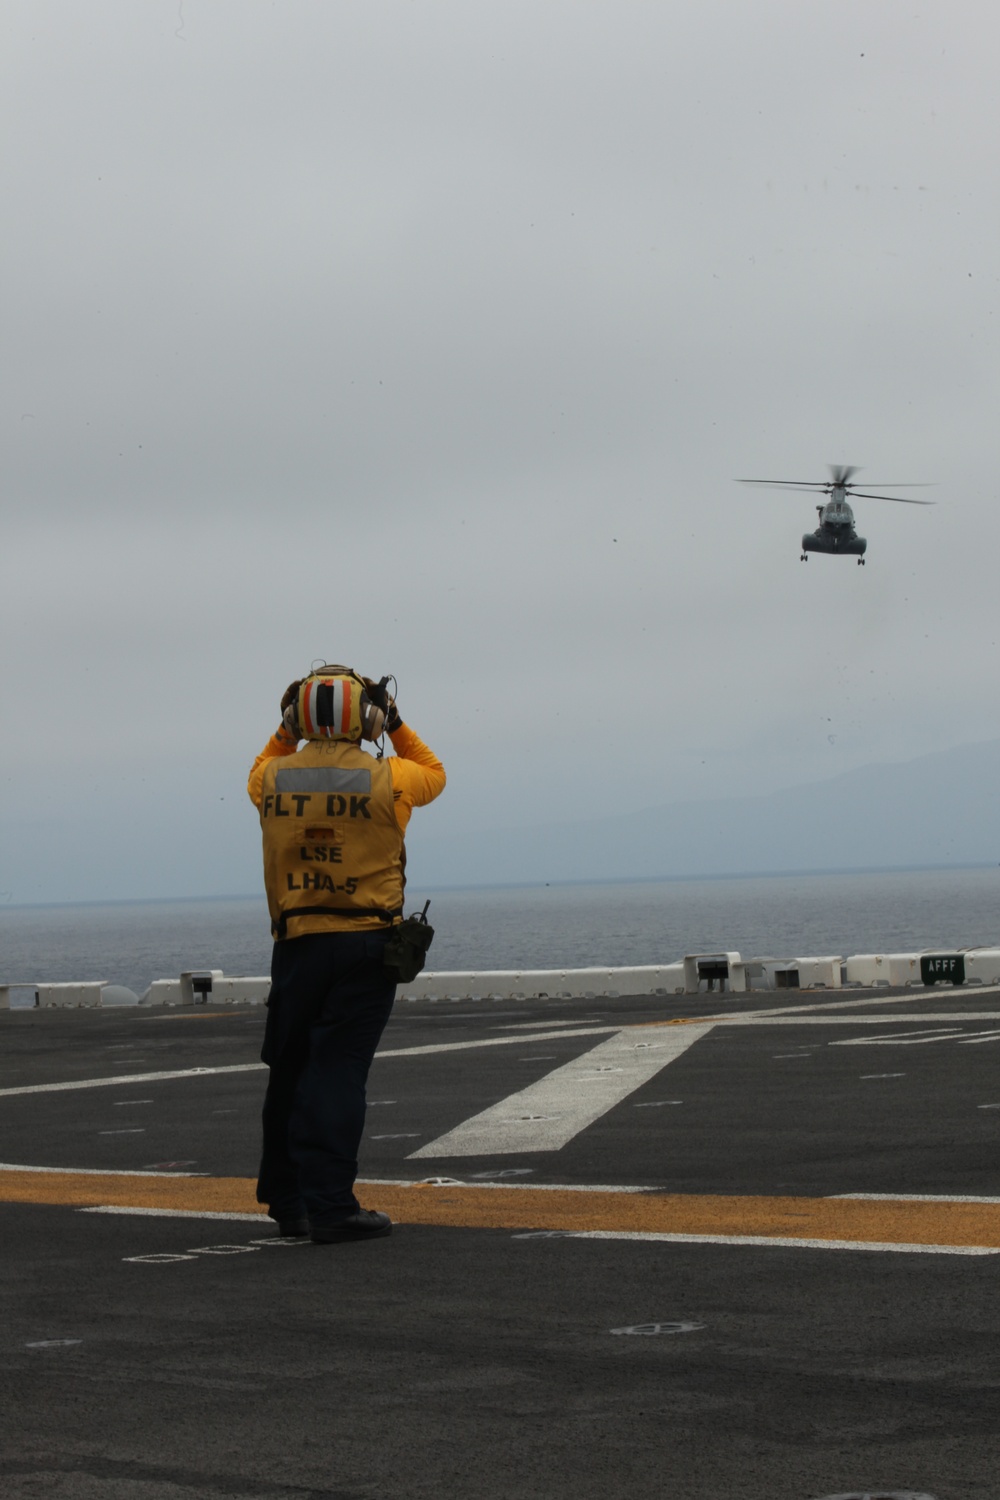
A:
707,1247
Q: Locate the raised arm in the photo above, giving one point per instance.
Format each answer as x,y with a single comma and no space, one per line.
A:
417,774
280,743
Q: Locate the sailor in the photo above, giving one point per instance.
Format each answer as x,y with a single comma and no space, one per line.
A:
332,818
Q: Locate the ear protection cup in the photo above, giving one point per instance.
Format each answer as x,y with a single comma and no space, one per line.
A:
372,719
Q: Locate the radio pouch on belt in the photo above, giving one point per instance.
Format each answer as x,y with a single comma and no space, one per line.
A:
407,945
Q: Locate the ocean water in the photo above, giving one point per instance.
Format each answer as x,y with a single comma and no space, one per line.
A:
554,926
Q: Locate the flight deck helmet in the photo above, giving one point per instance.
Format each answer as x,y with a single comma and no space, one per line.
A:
334,704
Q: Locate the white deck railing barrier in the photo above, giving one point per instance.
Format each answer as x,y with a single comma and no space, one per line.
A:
91,993
696,973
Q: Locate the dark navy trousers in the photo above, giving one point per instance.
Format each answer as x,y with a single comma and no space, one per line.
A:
330,1000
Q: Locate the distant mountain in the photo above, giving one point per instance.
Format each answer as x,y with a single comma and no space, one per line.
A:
939,809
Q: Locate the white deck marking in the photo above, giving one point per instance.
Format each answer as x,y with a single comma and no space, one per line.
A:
919,1038
507,1041
902,1039
821,1003
258,1067
549,1113
786,1017
6,1166
105,1083
535,1025
797,1020
171,1213
746,1241
752,1241
366,1182
913,1197
476,1182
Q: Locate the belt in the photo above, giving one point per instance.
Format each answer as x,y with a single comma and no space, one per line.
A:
279,929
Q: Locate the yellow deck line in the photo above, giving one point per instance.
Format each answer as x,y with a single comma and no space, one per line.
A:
893,1221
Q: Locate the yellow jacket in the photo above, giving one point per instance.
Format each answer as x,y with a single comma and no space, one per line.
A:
334,862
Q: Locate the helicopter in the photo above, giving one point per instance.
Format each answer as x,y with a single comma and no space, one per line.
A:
835,533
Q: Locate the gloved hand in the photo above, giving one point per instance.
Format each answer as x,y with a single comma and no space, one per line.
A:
379,695
290,708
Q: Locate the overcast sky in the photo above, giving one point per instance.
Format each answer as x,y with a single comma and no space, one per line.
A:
431,337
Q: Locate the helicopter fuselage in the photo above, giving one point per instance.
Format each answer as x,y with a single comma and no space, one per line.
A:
835,533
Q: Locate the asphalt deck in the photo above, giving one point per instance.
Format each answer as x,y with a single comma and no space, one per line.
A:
769,1269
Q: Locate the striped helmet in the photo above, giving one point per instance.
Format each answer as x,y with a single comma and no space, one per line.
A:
330,705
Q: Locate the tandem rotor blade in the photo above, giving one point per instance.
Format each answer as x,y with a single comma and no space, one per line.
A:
787,484
898,499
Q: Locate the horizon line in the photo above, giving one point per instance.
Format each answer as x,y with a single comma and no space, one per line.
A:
813,872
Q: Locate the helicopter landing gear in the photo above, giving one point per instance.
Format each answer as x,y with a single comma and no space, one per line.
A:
804,557
861,562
